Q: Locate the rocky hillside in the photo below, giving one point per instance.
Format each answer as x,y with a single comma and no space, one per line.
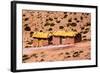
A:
50,21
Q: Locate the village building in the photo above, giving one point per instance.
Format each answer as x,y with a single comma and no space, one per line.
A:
63,37
41,39
56,38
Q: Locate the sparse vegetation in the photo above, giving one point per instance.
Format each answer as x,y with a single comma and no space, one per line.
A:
47,24
73,24
70,20
50,29
27,28
52,24
61,27
26,19
58,21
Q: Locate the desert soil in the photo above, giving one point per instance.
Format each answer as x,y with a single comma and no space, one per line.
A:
78,51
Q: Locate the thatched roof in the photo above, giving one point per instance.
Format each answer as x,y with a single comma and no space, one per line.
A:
41,35
64,33
56,33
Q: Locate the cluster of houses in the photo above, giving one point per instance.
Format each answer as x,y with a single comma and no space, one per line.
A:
55,38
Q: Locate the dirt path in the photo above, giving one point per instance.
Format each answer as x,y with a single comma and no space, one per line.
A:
77,51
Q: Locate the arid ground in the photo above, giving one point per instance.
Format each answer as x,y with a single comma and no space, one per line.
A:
78,51
51,21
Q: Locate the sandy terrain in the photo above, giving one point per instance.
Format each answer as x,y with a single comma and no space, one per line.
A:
51,21
78,51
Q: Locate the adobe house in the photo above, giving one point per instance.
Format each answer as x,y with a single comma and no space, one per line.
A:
71,38
41,39
62,37
56,38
